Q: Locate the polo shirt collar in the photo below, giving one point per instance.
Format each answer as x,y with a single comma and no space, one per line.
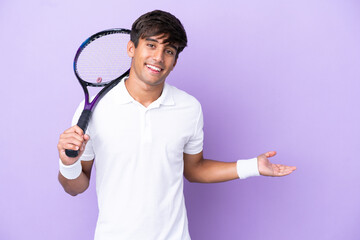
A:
123,95
166,97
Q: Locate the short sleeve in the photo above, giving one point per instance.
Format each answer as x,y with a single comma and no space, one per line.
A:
88,154
195,143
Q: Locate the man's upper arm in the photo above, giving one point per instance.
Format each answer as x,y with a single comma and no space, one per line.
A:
86,167
191,162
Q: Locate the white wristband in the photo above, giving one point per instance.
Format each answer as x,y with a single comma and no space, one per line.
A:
247,168
70,171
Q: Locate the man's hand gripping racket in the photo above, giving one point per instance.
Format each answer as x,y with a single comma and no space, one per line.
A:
101,61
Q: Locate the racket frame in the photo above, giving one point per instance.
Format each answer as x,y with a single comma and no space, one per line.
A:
107,86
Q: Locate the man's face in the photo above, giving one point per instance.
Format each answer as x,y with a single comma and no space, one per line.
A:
152,59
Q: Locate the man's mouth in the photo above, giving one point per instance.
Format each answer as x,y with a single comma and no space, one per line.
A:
153,68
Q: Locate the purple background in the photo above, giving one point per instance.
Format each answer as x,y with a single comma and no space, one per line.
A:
271,75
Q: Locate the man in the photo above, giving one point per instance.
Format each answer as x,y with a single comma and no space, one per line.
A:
145,135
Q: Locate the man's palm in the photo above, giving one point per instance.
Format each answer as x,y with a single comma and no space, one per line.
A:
266,168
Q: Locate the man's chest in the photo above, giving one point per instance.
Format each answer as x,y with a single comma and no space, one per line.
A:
129,127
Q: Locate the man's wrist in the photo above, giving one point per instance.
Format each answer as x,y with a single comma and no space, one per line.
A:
72,171
247,168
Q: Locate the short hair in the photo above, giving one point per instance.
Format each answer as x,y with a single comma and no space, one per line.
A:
156,23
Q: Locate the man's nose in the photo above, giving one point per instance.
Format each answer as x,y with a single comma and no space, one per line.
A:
158,55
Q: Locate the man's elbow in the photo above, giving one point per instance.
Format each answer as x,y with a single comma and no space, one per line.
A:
194,178
70,188
190,178
71,193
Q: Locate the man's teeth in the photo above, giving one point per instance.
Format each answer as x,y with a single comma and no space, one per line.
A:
154,68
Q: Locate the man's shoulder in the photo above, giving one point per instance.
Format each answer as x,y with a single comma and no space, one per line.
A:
182,97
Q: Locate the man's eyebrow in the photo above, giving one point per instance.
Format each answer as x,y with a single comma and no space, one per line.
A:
168,44
173,46
152,40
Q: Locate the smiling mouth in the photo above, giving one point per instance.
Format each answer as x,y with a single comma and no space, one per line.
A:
153,68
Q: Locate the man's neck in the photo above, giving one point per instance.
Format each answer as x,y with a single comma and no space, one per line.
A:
143,93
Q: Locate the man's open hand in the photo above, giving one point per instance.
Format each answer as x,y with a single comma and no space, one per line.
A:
266,168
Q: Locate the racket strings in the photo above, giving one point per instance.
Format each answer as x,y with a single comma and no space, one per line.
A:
104,59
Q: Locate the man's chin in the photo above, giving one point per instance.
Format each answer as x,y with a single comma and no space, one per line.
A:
154,83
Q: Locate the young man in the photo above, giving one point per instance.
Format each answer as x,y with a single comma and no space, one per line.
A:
145,135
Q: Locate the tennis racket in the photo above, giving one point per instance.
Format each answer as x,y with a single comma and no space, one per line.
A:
100,61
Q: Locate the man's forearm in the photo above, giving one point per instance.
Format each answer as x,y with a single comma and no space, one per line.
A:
74,186
210,171
198,169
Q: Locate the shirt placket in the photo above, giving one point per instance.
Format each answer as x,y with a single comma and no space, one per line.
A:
145,122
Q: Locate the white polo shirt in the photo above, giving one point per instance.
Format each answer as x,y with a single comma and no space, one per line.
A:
139,163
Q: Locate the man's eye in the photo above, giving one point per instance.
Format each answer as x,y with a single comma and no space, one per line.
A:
169,52
150,45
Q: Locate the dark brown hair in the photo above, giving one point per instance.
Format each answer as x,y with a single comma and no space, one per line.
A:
157,23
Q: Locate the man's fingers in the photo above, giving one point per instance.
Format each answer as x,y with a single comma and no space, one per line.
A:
86,138
72,141
70,146
270,154
75,129
283,170
64,142
71,135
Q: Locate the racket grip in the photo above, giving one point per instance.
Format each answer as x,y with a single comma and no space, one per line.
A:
71,153
84,119
82,123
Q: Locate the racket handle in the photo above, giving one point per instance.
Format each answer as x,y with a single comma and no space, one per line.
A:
71,153
82,123
84,119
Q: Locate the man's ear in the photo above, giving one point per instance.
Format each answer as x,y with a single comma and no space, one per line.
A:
131,49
